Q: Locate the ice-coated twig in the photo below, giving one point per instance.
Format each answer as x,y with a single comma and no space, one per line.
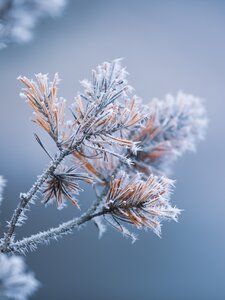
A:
30,243
26,197
61,230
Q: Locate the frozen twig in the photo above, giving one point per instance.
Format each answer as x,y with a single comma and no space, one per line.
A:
26,197
30,243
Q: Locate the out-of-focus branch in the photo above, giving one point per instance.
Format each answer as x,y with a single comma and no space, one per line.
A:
18,18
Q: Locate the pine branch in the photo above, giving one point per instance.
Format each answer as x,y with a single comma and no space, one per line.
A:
109,127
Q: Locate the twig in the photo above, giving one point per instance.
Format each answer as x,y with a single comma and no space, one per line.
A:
64,228
54,233
26,197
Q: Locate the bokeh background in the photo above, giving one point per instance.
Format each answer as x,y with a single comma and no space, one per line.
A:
167,46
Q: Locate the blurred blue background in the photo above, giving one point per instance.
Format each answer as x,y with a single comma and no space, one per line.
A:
167,46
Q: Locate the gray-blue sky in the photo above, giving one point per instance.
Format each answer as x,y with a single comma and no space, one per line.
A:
167,46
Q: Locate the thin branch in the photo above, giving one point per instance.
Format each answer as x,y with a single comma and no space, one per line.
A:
30,243
65,228
26,197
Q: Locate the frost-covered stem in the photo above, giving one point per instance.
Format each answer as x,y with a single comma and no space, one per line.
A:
31,242
26,197
63,229
55,232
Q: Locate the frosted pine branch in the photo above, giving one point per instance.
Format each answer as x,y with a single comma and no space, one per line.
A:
113,142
